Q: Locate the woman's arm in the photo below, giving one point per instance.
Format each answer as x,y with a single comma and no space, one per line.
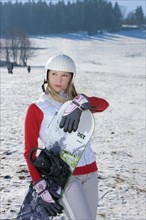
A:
33,121
98,104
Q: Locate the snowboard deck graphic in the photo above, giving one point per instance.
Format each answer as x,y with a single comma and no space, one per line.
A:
70,146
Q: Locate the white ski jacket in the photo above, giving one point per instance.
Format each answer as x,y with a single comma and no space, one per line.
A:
50,107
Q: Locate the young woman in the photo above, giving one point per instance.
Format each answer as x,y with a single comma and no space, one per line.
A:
80,198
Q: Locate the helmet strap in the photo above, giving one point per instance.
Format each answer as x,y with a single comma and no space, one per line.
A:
43,86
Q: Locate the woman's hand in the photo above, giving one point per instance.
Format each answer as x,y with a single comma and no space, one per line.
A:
71,118
52,206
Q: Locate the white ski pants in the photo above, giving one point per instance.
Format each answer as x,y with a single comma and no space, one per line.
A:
80,198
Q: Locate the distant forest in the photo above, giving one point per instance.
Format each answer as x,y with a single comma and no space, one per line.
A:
87,15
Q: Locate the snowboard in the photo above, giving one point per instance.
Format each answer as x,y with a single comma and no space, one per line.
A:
70,146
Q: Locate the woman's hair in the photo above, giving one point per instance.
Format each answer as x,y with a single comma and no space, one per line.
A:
70,91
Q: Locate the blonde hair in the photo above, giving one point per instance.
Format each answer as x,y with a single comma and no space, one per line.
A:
70,92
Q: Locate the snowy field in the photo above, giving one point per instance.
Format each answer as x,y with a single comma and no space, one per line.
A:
111,66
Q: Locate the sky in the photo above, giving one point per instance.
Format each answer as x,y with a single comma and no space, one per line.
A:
127,5
130,5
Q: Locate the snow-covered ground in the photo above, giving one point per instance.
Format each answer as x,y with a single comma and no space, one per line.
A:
111,66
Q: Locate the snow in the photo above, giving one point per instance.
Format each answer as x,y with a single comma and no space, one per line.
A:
111,66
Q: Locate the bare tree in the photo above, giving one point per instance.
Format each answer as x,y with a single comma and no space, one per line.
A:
18,46
25,49
14,42
6,49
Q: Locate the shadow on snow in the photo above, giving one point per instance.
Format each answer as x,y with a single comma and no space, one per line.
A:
140,34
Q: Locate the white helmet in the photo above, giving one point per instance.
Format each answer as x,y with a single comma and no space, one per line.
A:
60,62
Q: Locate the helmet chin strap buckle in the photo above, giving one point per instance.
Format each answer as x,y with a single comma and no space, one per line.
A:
43,86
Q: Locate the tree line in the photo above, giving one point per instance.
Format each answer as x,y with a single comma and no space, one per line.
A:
83,15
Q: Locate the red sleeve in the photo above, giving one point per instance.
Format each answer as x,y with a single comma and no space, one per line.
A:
98,104
34,117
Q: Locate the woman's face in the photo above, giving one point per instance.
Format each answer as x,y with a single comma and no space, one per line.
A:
58,80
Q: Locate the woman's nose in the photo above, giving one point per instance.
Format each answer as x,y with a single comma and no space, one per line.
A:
59,79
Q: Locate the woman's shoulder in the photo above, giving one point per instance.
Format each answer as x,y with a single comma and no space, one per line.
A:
43,101
33,113
33,108
37,105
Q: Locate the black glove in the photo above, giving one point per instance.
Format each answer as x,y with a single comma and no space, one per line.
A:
45,198
71,118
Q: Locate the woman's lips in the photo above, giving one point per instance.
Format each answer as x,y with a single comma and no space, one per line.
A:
58,86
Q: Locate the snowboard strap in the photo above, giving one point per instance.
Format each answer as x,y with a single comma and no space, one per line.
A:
50,165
